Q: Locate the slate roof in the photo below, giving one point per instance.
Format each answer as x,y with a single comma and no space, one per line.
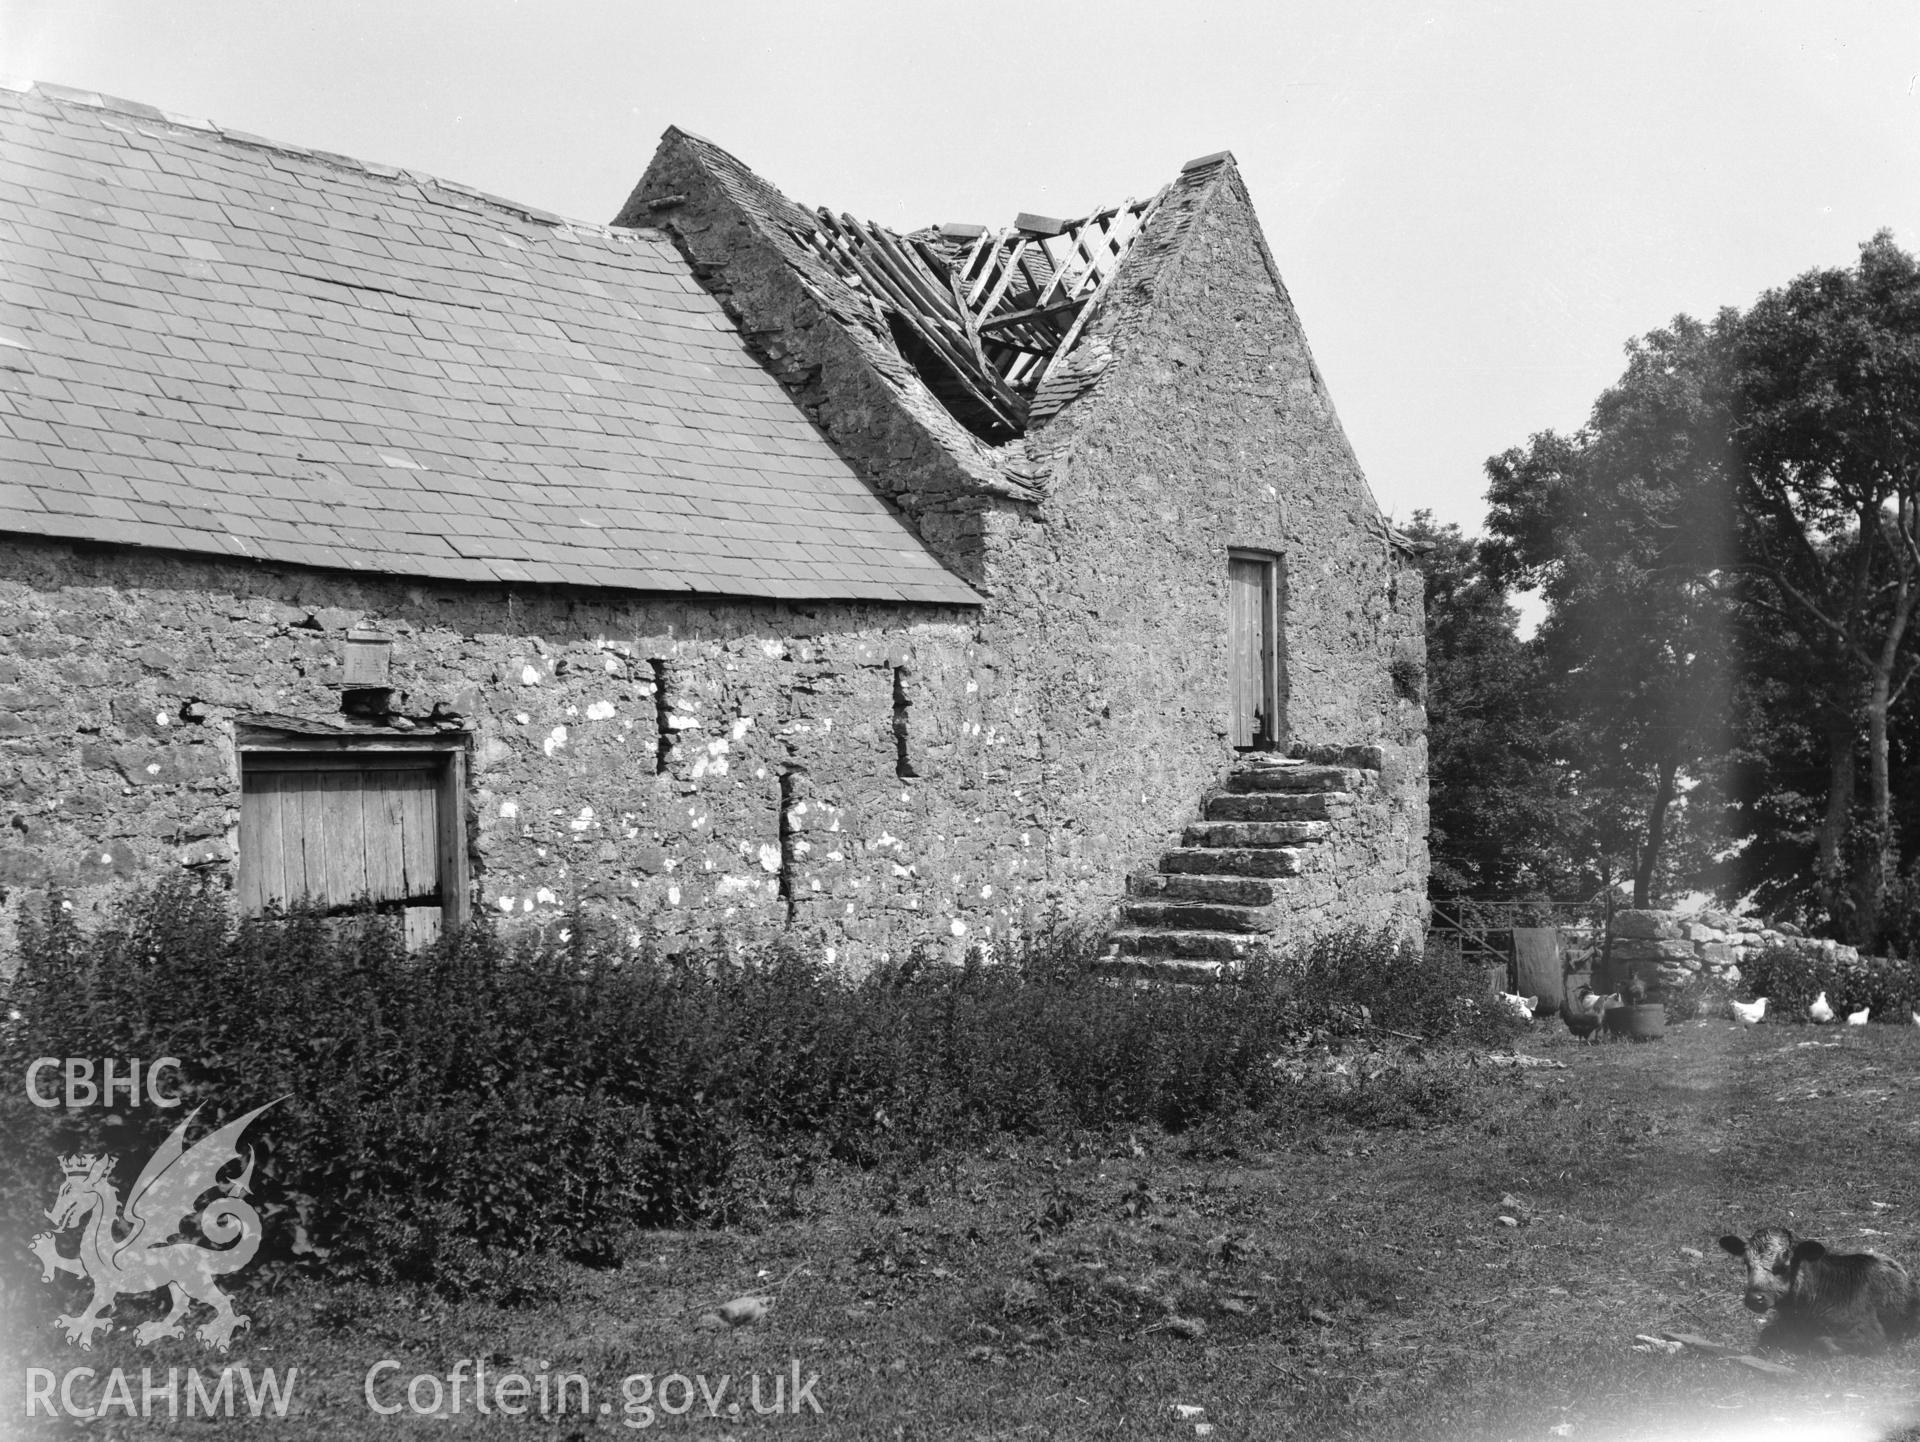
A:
214,343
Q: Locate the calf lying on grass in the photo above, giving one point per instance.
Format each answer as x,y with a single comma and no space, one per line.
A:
1825,1301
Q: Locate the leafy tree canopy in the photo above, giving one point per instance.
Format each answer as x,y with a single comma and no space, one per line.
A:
1625,529
1495,797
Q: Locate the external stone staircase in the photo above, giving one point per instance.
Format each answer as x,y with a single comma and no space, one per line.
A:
1217,900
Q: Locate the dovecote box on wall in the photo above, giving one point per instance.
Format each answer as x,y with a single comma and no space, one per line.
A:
365,657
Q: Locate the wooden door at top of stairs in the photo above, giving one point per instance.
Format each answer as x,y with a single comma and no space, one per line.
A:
1253,651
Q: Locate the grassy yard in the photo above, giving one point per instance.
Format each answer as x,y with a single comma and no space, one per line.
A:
1483,1278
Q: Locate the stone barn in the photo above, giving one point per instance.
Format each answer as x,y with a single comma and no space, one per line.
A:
367,538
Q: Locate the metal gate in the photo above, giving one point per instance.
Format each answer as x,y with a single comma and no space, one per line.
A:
1482,930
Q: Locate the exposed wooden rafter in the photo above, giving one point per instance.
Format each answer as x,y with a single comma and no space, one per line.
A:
991,312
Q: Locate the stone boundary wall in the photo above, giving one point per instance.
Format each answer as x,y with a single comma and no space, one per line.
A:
1679,947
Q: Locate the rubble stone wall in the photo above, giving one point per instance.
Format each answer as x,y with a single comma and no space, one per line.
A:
632,753
1678,947
1369,872
1210,430
123,677
628,752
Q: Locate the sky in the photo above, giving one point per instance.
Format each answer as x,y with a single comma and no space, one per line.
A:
1474,205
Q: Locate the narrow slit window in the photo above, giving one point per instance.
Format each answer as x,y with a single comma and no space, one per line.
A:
662,716
902,736
789,839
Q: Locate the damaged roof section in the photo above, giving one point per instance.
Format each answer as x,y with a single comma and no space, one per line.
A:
981,335
985,317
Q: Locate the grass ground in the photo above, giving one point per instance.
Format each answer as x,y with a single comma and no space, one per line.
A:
1481,1278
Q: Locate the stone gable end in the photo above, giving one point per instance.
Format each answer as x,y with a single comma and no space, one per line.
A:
1209,432
1198,427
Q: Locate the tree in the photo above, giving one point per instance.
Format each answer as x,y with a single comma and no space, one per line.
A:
1827,414
1625,529
1777,774
1497,802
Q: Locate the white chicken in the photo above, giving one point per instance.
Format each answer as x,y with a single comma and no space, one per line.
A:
1820,1011
1522,1005
1749,1013
1859,1018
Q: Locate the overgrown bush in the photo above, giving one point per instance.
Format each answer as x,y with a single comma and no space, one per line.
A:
508,1093
1790,978
1696,995
1438,996
1900,915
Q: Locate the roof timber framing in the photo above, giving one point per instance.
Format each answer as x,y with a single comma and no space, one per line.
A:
984,315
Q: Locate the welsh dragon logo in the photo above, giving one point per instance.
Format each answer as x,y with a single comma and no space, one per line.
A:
141,1250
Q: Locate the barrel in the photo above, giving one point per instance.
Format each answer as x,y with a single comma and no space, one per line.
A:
1646,1022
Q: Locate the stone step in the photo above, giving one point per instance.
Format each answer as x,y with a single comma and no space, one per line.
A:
1294,778
1278,805
1188,945
1254,833
1247,861
1370,758
1198,916
1196,886
1186,970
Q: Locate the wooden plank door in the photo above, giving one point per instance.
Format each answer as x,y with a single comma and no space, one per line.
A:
337,832
1250,651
